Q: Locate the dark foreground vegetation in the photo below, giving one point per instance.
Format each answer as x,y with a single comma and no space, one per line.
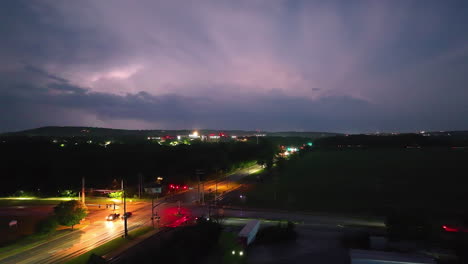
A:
189,244
367,180
283,232
41,167
417,183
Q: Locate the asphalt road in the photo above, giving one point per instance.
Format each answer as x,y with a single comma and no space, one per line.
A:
100,231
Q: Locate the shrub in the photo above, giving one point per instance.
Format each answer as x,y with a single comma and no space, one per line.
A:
47,225
280,233
359,240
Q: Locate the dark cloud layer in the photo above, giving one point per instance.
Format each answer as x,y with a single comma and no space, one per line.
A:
369,66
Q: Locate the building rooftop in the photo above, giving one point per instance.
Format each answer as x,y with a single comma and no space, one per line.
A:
373,256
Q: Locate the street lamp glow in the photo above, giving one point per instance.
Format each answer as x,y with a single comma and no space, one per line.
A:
241,253
194,135
233,252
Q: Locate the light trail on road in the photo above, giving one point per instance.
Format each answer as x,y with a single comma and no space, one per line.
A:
100,231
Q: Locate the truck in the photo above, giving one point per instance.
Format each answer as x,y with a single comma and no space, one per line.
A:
248,233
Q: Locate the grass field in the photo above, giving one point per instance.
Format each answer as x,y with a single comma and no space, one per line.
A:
36,201
368,181
31,201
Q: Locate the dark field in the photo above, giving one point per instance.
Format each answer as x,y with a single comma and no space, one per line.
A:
27,217
368,181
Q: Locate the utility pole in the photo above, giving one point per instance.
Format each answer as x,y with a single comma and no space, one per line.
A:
216,192
122,190
209,209
152,210
83,190
140,185
203,194
200,192
125,212
153,215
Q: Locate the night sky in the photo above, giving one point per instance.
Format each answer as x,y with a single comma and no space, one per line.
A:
339,66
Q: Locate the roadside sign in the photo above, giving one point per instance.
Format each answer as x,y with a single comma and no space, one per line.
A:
153,190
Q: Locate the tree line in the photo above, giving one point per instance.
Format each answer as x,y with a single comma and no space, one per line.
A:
40,166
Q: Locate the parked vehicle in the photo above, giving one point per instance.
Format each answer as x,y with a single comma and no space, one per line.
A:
248,233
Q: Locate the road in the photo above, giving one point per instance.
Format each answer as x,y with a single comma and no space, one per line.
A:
100,231
172,211
320,237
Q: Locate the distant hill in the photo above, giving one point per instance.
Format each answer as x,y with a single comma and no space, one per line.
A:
56,131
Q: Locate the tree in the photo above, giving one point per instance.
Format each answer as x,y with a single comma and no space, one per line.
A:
68,193
70,213
116,195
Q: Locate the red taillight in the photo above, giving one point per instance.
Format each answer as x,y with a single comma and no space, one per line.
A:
450,229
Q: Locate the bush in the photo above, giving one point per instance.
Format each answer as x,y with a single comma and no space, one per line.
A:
116,195
195,242
403,225
47,226
359,240
274,234
68,193
21,193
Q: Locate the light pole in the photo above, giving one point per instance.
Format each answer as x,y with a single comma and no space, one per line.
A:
122,190
201,193
153,215
83,190
125,212
216,191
